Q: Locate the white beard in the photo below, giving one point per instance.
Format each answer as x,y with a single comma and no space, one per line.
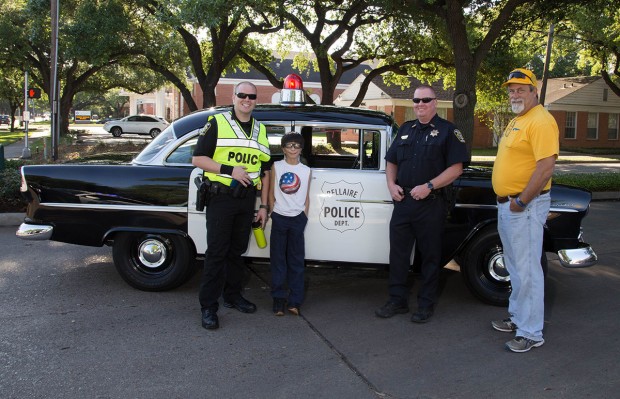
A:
517,108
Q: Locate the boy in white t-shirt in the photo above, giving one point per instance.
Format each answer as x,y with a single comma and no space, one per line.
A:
288,195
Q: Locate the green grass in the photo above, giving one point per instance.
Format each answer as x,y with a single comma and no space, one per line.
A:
604,181
7,137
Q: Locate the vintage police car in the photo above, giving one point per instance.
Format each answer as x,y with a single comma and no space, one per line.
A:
147,210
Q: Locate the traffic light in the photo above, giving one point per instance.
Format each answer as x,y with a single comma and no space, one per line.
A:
34,92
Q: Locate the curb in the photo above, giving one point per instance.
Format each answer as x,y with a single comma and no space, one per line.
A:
15,219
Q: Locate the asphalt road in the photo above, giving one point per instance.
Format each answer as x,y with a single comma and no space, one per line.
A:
71,328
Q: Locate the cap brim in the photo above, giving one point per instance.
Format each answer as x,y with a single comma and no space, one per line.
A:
519,81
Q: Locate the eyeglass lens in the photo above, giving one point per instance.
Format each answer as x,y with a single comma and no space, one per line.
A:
244,95
425,100
293,145
519,75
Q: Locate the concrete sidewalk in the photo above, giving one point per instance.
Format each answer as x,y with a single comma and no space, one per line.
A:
16,150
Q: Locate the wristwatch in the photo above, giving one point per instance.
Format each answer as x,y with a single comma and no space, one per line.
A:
430,186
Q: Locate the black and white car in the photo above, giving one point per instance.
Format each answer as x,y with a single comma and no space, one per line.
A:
137,124
147,210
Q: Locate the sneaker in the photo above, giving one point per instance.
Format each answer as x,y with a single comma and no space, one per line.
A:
505,325
522,344
278,306
391,308
423,315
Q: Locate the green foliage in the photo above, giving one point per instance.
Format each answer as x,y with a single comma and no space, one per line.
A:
603,181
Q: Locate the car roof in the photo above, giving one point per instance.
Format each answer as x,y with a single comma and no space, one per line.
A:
306,114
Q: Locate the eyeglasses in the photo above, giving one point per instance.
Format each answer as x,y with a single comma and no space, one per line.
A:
291,146
243,96
519,75
425,100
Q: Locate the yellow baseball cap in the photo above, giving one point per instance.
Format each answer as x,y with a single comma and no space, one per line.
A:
521,76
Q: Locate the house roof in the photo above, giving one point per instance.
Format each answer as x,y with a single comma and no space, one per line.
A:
558,88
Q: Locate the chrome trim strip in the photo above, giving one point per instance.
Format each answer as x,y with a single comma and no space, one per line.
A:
149,208
482,206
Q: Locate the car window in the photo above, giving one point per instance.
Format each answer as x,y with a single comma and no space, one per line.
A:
133,119
156,145
341,147
183,153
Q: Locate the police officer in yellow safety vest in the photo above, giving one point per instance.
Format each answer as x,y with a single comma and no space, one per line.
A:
233,152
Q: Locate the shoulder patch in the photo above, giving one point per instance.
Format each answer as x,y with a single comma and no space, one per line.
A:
459,135
205,128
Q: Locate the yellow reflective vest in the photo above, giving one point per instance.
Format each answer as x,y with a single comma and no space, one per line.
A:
235,148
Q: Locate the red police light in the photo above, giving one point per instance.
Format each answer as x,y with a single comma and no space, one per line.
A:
293,82
292,93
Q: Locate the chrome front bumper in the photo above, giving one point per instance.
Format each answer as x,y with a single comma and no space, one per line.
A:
578,257
34,231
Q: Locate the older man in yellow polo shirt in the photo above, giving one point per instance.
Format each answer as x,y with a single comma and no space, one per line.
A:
521,179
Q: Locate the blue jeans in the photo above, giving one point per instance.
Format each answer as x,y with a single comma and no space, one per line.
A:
522,238
287,251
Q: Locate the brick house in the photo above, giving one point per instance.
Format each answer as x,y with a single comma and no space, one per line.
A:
586,110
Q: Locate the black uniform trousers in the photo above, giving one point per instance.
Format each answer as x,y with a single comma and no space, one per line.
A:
229,223
420,222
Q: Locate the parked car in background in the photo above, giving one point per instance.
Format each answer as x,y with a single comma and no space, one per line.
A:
147,210
5,119
107,119
137,124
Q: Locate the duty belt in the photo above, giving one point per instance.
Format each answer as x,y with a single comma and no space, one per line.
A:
503,200
220,188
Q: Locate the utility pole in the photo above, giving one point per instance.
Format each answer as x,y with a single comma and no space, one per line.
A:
543,89
54,85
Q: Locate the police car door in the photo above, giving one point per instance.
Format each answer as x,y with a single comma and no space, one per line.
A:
350,205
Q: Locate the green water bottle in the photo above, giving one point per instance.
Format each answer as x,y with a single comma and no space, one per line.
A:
259,234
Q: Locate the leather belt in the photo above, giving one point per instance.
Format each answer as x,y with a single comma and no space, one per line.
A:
503,200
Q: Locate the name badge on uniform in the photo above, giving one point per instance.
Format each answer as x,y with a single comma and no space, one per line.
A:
404,137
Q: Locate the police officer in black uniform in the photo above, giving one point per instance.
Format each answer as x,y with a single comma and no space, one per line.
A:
233,151
427,154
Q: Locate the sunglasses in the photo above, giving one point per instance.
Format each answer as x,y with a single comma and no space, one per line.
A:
243,96
519,75
291,146
425,100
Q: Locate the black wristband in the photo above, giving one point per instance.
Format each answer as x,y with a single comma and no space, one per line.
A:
226,169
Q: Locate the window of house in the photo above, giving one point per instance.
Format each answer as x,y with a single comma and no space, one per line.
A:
612,127
592,133
570,127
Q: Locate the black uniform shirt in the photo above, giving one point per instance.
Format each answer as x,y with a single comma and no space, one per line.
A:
423,151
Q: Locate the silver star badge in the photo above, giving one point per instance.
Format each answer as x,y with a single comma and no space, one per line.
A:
434,133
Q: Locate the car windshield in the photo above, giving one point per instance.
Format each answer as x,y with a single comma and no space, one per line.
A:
155,146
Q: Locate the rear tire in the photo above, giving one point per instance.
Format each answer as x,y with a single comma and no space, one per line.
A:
154,132
116,131
484,271
153,262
